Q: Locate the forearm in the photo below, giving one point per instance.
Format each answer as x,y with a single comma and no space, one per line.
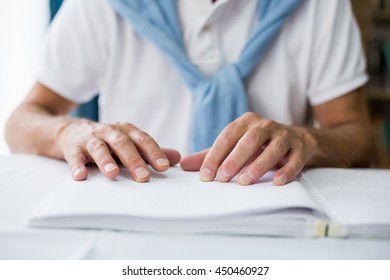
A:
347,145
33,129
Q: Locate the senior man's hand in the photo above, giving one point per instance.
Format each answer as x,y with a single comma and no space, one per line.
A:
83,141
249,147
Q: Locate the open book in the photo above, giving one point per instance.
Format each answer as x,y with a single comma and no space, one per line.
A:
334,202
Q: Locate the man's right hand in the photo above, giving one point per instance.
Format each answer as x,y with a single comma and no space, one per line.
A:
49,132
83,141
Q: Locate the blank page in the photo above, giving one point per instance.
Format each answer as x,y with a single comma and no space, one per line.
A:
174,194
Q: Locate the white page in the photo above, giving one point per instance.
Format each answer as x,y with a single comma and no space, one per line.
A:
356,196
173,194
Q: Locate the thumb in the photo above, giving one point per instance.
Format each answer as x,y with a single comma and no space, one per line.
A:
193,162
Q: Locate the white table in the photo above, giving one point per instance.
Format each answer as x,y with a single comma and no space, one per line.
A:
24,181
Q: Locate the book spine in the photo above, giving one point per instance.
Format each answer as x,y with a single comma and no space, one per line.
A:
335,226
322,227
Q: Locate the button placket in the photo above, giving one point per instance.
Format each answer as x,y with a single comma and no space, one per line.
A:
205,51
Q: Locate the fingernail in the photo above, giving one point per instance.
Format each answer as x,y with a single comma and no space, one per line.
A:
206,175
110,167
76,172
162,162
282,179
222,176
246,178
141,172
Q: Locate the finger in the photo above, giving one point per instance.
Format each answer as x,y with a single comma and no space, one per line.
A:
248,146
149,149
222,146
193,162
101,155
172,155
77,160
125,150
290,170
274,152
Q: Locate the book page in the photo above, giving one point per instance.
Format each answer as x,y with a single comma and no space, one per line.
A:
355,196
174,194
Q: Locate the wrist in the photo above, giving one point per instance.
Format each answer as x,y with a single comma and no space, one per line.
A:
310,142
62,124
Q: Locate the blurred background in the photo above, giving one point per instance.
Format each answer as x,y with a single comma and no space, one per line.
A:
23,24
22,27
373,17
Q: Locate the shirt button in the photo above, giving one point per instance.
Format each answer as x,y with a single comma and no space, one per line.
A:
206,28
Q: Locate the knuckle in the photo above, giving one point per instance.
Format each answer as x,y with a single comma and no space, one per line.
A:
299,146
299,161
230,166
96,145
119,139
156,154
280,144
107,128
74,155
268,124
247,119
251,139
211,161
290,172
142,138
284,132
225,139
134,161
231,127
249,116
126,127
257,170
295,165
91,128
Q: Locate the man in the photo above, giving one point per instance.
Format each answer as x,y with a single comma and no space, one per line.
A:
312,66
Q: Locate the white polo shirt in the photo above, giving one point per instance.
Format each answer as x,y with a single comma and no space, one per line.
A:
316,57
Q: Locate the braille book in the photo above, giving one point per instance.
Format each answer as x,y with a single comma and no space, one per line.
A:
320,202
